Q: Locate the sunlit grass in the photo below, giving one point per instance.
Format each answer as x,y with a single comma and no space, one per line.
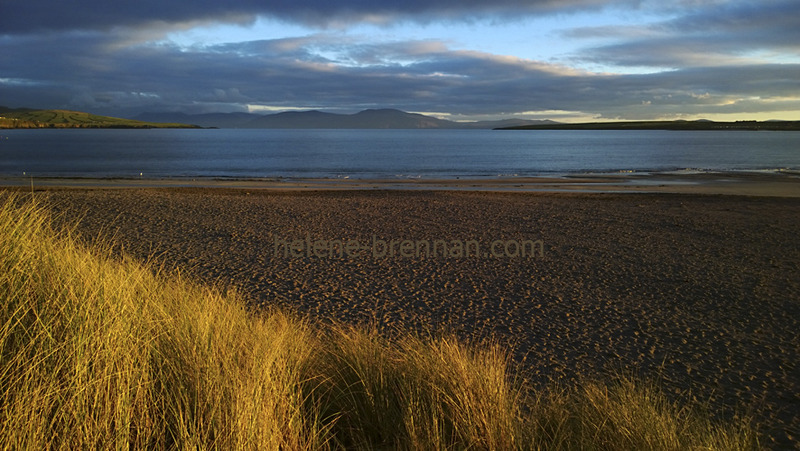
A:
102,352
27,118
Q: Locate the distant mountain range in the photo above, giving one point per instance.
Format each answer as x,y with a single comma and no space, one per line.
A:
367,119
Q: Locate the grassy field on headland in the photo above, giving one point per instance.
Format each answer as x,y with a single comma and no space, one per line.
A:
29,118
99,351
667,125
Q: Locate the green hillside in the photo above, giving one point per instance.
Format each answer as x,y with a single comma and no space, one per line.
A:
29,118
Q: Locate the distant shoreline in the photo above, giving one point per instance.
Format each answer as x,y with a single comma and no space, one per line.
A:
41,126
667,125
370,119
26,118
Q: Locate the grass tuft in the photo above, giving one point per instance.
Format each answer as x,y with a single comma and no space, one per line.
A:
99,351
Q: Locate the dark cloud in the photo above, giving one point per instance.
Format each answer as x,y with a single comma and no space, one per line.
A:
328,71
713,34
88,59
20,16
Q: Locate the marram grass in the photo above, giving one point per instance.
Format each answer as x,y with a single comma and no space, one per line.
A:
102,352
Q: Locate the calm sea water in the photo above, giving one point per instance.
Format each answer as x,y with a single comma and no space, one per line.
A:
385,153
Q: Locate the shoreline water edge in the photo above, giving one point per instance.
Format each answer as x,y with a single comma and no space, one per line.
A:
781,183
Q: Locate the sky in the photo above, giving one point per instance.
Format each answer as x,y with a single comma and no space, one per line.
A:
564,60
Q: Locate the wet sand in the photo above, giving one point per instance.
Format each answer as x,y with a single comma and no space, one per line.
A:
701,291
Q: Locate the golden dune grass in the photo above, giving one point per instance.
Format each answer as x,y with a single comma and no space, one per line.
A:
103,352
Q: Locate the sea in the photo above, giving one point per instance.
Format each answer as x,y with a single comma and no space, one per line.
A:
385,154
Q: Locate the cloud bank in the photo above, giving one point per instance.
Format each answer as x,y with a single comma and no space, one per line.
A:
696,58
41,15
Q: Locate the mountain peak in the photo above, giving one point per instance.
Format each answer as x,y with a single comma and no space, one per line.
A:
373,118
381,111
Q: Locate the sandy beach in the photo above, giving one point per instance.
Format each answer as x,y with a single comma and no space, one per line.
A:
700,290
